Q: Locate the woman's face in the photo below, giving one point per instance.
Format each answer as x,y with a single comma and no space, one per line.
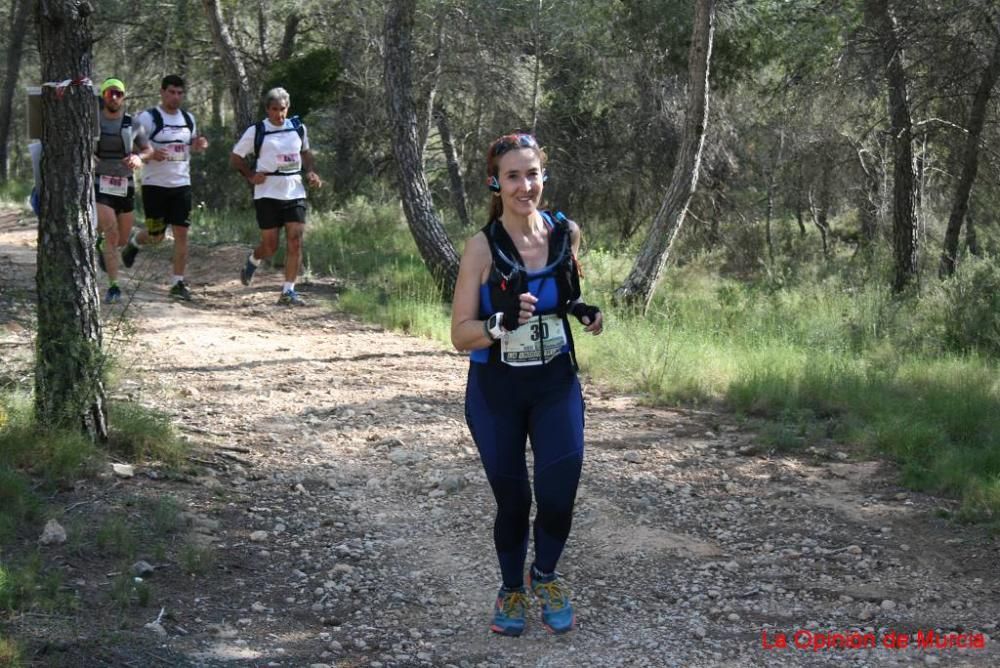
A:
277,112
520,176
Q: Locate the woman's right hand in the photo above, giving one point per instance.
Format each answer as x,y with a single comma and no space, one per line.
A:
527,304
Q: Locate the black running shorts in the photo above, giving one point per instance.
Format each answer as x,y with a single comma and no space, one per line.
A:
171,205
274,213
120,205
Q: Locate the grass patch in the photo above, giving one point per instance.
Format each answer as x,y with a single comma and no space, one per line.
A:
141,433
196,559
10,654
29,586
116,537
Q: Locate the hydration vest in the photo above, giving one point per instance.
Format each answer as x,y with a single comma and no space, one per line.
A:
260,132
116,145
158,124
509,277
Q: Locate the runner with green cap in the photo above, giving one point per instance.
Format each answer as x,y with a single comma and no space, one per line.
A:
120,150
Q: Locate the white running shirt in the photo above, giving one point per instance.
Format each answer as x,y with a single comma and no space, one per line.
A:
176,139
281,151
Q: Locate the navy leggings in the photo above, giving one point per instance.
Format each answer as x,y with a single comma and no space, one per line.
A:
504,406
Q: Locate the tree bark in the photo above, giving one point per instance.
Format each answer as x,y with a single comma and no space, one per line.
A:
868,194
638,288
287,48
536,79
19,25
435,248
970,163
232,65
458,195
904,225
69,388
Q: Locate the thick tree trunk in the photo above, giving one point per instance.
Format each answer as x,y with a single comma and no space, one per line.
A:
18,25
435,248
904,225
69,390
458,195
638,288
233,66
970,162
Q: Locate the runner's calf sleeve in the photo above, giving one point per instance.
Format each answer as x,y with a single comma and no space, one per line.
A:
155,226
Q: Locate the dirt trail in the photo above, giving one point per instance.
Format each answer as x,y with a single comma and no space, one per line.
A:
350,522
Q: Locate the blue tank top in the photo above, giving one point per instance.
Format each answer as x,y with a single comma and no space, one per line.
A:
543,287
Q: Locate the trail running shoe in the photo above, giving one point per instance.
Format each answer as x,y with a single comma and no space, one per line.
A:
508,613
180,291
291,298
114,295
553,595
246,274
99,247
128,254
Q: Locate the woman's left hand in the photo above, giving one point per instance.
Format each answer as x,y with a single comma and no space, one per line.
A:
596,326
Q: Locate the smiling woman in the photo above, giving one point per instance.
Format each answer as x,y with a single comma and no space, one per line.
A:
517,282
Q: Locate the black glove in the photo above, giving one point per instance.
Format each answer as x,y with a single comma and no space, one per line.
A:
581,311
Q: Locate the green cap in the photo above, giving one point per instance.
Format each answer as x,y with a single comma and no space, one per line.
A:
112,83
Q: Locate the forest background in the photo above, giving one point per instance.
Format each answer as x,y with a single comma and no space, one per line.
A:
834,275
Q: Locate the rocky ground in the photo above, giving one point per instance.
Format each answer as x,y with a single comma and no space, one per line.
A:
344,519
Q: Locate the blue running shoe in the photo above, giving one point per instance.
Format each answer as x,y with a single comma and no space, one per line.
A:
114,295
553,595
246,274
291,298
508,613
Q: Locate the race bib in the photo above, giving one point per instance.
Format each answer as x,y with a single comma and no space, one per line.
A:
113,185
176,152
289,163
534,343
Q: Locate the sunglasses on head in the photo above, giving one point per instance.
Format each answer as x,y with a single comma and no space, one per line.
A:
114,93
509,142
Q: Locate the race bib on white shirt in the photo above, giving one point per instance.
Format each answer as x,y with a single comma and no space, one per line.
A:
289,163
534,343
177,152
116,186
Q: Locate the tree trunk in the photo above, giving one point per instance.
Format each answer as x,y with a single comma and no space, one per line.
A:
19,25
971,240
232,66
432,87
904,226
69,389
970,163
771,187
820,219
638,288
458,194
536,79
287,48
435,248
868,194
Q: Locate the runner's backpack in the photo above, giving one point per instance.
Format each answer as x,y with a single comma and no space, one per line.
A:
158,123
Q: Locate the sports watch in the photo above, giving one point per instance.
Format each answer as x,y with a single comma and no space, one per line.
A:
494,326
